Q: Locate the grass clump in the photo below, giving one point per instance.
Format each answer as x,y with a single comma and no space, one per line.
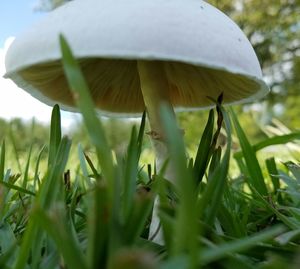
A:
97,215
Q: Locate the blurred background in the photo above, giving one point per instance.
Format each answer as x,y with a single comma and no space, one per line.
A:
273,28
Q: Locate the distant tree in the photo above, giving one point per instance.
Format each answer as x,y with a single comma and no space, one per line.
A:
273,28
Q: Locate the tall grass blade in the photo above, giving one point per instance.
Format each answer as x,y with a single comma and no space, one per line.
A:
130,176
85,182
273,172
17,188
294,169
292,223
211,199
37,168
140,212
184,239
2,161
276,140
7,242
50,192
83,165
218,252
7,257
55,134
99,219
26,171
85,103
255,173
15,149
215,161
178,262
52,187
25,248
204,149
95,172
141,134
56,226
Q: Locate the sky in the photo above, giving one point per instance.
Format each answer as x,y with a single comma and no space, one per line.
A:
15,17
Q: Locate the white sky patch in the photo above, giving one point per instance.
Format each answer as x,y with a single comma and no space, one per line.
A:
16,103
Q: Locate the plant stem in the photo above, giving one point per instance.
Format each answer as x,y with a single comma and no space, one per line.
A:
155,89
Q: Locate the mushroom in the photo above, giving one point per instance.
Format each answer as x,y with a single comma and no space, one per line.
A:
138,54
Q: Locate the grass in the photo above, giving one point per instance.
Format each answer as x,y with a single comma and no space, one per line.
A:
98,214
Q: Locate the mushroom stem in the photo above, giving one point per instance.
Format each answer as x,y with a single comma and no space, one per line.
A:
154,86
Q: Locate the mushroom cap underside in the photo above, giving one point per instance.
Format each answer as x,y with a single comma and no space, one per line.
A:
202,51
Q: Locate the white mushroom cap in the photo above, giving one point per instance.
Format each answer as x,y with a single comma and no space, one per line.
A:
203,53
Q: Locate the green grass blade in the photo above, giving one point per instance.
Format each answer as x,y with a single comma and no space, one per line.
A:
15,149
26,171
56,226
82,160
204,149
85,181
141,134
294,169
96,174
292,223
116,227
140,212
85,103
27,242
273,172
165,211
36,247
210,201
233,247
256,177
6,257
7,241
231,223
55,134
215,161
130,176
287,237
276,140
99,219
51,188
178,262
184,239
17,188
2,161
49,193
37,168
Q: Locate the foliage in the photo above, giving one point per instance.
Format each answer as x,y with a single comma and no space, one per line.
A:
99,217
273,29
